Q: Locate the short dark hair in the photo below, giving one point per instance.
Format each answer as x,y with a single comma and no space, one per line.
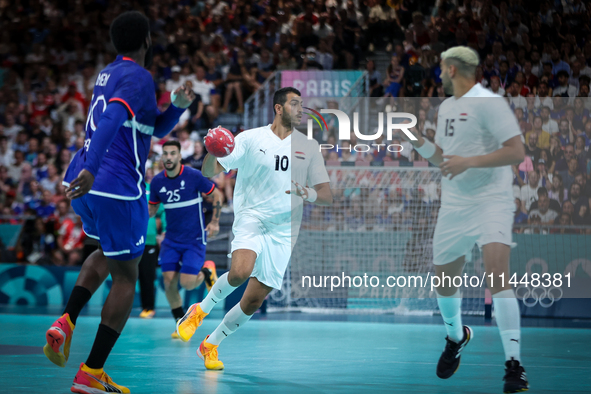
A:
172,143
542,191
562,73
280,96
129,31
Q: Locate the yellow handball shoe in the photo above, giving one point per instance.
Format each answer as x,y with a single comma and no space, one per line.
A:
58,335
213,277
189,323
147,314
95,381
209,354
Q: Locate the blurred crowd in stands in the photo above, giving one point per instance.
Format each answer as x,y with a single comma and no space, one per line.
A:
536,53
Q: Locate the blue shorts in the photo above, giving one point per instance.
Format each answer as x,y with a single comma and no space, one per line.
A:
183,258
393,89
120,226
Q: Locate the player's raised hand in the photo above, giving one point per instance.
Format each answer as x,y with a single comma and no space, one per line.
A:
298,190
183,96
213,228
454,165
80,186
419,138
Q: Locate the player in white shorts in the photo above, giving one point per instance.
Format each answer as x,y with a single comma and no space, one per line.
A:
477,141
268,204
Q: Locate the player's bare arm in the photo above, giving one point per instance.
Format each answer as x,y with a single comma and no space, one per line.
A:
213,228
512,153
153,209
323,193
211,167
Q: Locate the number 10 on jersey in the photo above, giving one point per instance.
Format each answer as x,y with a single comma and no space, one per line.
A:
281,162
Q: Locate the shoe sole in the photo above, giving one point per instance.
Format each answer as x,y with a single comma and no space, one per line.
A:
203,358
58,358
82,389
516,391
459,361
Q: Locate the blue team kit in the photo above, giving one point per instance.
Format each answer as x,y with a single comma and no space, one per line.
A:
185,235
115,211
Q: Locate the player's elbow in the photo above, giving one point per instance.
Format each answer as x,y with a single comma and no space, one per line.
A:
519,154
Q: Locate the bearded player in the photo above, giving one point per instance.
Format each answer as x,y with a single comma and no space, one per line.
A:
105,181
477,141
268,203
182,254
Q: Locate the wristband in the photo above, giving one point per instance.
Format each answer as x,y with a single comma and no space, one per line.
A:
427,150
172,98
312,194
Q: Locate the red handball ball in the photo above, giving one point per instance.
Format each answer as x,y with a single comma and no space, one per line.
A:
219,142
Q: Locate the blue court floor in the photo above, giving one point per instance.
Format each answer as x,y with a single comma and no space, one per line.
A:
293,355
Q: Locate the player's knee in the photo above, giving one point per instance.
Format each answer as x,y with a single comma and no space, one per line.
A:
167,283
237,277
188,283
251,305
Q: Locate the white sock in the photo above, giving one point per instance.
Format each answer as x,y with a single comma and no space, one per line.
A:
509,322
233,320
220,290
451,311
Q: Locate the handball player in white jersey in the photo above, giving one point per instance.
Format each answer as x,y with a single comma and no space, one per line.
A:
476,142
268,204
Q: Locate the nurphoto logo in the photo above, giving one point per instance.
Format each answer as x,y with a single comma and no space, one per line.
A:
402,121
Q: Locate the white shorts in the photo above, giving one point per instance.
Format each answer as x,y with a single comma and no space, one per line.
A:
458,229
272,256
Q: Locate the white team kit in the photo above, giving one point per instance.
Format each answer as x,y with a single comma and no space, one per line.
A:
267,220
476,206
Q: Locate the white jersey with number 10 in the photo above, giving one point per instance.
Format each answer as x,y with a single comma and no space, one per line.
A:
266,166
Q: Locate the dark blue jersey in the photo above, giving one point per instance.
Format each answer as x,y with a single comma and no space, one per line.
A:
121,172
182,201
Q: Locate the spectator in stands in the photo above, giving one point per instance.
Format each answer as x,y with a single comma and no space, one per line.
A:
234,82
543,208
548,125
519,217
15,169
196,160
580,152
6,153
568,176
581,179
543,137
45,208
535,223
581,214
565,133
346,153
569,153
529,192
531,149
563,89
53,179
557,191
309,60
175,80
495,86
394,75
